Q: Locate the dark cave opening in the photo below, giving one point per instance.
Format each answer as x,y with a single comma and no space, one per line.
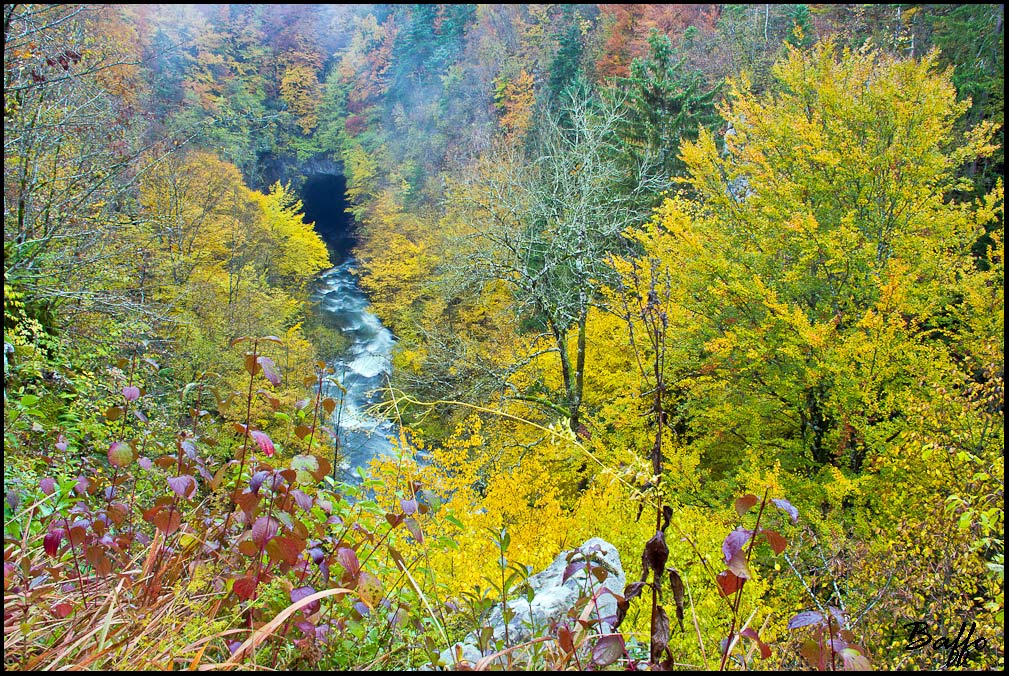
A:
325,200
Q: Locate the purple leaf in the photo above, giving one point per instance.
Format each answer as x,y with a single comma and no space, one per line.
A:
256,480
302,499
734,543
409,506
48,486
61,443
786,506
184,486
145,463
263,529
608,650
131,392
300,593
572,568
348,559
804,619
269,369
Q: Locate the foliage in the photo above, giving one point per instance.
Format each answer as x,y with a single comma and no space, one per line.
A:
817,314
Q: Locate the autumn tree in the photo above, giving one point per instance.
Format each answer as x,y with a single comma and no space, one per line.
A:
544,225
826,317
825,227
72,150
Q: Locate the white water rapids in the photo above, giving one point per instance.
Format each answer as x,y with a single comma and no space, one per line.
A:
362,369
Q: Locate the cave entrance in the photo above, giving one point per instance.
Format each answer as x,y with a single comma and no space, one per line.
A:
325,200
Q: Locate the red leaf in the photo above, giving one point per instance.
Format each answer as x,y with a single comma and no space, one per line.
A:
249,548
248,502
251,363
728,583
811,651
608,650
744,503
164,518
774,538
96,556
52,541
394,519
245,587
61,610
285,548
269,369
565,639
264,442
78,533
750,633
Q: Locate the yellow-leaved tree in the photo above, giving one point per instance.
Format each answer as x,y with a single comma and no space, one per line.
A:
828,314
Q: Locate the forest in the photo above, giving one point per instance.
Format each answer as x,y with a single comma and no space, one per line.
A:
401,337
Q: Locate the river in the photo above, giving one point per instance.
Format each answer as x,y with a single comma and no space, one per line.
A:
361,369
